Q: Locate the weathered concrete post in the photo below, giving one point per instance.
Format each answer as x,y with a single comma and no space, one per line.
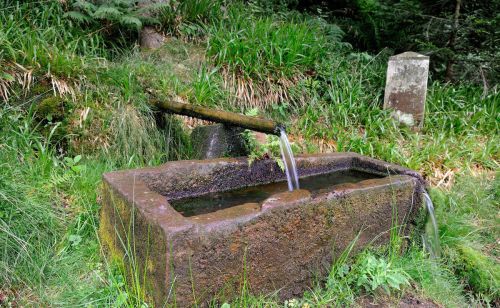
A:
406,88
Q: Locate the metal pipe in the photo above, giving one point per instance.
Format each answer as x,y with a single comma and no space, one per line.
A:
230,118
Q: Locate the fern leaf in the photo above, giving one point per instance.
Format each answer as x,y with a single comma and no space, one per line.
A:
153,8
132,22
335,32
107,12
85,6
146,20
76,16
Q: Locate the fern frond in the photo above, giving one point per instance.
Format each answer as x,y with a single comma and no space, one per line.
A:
153,8
107,12
149,20
130,21
85,6
76,16
334,32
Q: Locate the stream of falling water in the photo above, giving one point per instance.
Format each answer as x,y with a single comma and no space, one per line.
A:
289,161
431,237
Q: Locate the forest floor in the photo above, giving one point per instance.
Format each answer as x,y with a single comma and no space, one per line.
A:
73,108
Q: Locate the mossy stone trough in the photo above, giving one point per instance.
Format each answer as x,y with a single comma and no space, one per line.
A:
247,226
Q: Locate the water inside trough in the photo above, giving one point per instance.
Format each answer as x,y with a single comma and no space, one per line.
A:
215,201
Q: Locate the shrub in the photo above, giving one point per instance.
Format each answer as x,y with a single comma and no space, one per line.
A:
374,273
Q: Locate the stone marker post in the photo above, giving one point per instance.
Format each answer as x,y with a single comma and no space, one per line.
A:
150,37
406,88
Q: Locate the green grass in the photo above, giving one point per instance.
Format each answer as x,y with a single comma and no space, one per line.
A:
261,57
48,215
55,145
37,37
27,162
188,19
262,47
469,224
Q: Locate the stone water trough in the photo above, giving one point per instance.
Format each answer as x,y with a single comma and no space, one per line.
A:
195,230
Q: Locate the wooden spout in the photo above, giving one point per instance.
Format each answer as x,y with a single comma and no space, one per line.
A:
221,116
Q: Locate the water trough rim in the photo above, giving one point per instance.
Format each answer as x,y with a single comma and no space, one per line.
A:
157,207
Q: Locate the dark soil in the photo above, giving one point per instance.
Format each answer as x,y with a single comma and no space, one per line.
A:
407,301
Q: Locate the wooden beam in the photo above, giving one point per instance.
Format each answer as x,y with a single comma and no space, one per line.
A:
221,116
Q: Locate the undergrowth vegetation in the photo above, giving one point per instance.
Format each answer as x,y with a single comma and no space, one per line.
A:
74,95
260,47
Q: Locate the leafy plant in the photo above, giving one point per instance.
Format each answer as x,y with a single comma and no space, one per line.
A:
269,149
259,150
373,273
73,163
125,13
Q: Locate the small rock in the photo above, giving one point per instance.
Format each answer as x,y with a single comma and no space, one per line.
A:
150,38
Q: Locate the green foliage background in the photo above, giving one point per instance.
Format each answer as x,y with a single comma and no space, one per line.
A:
422,26
74,98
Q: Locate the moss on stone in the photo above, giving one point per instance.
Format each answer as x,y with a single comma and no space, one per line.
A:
107,232
108,238
40,88
481,272
52,106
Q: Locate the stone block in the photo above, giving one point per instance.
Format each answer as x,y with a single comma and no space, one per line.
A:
406,88
150,38
218,140
278,244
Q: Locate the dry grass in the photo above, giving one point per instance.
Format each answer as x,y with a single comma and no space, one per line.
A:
62,87
15,74
249,93
132,133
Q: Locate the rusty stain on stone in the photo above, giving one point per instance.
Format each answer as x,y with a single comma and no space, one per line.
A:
280,244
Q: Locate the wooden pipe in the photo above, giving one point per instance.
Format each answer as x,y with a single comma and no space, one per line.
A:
221,116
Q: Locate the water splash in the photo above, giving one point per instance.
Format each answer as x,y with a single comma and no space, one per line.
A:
431,237
289,161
